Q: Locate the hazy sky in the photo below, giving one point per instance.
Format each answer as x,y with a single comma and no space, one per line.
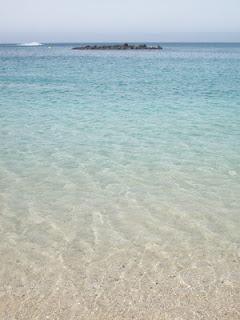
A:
96,20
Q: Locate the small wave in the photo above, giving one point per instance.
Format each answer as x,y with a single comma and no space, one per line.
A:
31,44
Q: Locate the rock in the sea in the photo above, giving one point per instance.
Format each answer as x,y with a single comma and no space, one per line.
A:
124,46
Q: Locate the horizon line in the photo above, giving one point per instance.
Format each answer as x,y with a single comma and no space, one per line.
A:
117,41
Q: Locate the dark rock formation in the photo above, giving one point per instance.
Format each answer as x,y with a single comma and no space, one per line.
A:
124,46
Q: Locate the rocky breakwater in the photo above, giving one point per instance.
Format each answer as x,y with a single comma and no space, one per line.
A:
124,46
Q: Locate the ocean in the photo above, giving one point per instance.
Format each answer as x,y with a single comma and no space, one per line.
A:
120,183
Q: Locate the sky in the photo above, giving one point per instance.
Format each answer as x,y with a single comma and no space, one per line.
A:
119,20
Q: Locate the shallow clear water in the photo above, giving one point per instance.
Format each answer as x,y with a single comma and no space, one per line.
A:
120,183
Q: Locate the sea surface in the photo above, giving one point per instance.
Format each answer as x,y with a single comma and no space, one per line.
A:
120,183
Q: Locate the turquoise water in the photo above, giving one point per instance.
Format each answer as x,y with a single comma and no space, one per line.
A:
120,182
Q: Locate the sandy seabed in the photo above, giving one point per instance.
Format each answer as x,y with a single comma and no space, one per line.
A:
66,278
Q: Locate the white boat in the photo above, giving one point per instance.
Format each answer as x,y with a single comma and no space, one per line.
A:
31,44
